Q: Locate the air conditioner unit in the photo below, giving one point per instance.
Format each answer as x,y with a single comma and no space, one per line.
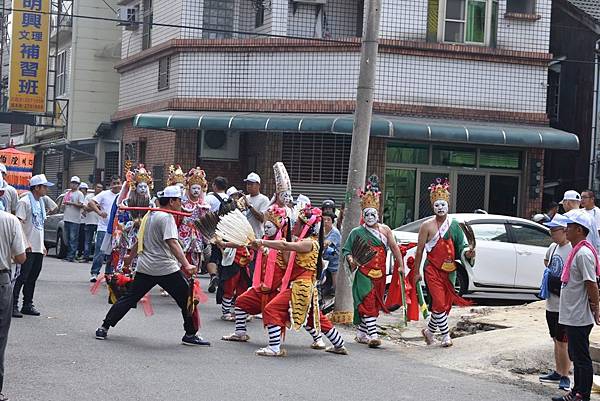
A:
220,145
129,17
311,1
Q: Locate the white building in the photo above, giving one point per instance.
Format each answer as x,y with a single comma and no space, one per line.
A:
78,141
460,93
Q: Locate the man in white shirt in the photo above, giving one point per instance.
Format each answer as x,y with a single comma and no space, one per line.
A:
588,202
160,256
90,220
257,204
12,247
217,200
31,211
73,202
102,204
10,197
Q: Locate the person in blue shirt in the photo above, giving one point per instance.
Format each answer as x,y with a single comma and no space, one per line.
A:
331,249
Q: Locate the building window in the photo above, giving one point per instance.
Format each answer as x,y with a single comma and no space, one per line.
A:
218,14
407,153
164,69
147,25
142,151
553,105
260,15
61,73
520,6
446,156
467,21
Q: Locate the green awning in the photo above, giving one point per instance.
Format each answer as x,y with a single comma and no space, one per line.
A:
430,130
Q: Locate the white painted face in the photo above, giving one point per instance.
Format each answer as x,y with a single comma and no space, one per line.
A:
440,207
196,190
370,216
142,189
285,197
270,229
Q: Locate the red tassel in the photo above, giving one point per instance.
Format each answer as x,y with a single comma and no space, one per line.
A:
394,298
200,296
147,305
96,286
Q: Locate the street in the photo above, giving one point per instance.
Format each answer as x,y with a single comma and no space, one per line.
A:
56,357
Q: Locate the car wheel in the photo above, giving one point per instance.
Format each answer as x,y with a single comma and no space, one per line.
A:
462,281
61,247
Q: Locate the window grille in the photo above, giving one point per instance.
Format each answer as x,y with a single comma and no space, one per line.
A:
164,69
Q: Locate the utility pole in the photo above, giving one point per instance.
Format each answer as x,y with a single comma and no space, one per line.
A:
357,172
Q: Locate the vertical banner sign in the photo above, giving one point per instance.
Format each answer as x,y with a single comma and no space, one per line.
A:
29,56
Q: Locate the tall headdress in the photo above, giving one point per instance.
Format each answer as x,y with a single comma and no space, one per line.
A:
282,179
197,176
176,175
439,190
139,175
369,198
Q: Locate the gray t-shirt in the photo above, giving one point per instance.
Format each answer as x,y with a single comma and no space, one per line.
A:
73,213
574,304
156,258
557,256
12,242
260,203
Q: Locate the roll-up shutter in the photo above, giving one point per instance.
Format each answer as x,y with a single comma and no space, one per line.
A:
318,193
83,168
53,168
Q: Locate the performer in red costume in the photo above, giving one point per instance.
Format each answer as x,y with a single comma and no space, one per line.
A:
268,274
297,304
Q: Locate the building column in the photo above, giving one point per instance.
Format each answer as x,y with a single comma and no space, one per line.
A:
279,16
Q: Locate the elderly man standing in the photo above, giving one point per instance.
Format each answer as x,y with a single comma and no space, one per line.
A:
73,202
12,247
10,197
31,210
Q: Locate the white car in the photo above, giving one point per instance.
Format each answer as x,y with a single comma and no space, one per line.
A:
510,254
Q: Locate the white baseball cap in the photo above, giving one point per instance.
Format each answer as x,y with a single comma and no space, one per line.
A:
571,195
40,179
170,192
76,179
582,218
231,191
3,169
253,177
83,185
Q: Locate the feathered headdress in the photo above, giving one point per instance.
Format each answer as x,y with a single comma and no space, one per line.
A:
370,197
139,175
282,178
439,190
176,175
197,176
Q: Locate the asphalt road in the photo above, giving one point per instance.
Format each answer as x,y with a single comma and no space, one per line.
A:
56,357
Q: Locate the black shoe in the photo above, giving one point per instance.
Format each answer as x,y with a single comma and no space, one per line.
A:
193,340
214,283
16,313
30,310
101,333
570,396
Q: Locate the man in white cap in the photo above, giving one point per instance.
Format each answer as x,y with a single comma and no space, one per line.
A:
257,204
12,247
73,202
160,256
31,210
571,201
578,309
10,197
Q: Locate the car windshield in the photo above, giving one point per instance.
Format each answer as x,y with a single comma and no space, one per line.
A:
412,227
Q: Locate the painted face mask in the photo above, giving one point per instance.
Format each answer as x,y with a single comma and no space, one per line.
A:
270,229
370,216
142,189
440,207
285,197
196,191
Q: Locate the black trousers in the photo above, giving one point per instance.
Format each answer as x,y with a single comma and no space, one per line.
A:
175,284
30,271
579,352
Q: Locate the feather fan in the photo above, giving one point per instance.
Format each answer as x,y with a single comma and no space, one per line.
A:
362,253
207,224
234,227
469,234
